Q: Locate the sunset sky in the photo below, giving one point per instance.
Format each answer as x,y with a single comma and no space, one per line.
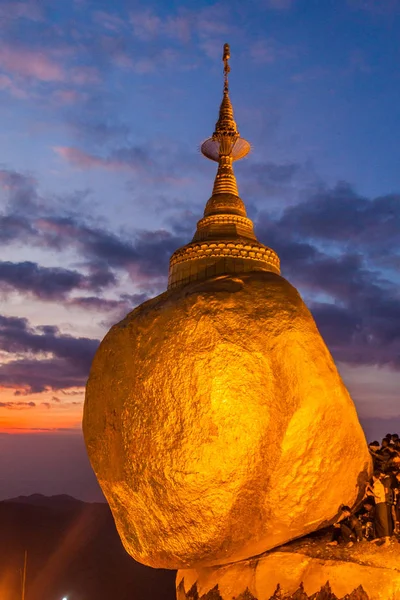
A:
103,108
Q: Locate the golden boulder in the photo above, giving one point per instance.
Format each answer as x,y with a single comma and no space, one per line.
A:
218,425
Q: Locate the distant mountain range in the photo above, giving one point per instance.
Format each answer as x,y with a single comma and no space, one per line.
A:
74,552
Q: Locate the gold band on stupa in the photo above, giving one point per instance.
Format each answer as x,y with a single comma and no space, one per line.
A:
224,242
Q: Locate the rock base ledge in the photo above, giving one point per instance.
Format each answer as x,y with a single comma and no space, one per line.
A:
325,593
362,574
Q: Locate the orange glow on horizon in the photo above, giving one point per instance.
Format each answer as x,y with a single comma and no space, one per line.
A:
45,411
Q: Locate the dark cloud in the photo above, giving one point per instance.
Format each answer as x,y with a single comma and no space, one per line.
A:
15,228
146,258
328,247
16,335
340,215
95,303
66,361
20,190
17,405
39,375
50,283
143,254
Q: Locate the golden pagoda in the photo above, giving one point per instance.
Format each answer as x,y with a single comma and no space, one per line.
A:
215,419
224,242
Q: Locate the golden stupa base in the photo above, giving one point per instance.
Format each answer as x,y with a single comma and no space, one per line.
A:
302,570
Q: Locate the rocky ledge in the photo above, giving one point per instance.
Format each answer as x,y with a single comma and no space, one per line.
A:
305,569
325,593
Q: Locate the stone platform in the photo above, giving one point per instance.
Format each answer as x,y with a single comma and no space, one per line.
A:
302,570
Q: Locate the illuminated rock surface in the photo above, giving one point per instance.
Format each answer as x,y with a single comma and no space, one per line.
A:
215,419
301,570
217,423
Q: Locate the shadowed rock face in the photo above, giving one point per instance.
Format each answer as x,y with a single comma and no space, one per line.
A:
218,425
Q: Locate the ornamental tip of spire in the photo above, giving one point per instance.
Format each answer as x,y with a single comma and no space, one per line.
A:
226,140
226,124
225,58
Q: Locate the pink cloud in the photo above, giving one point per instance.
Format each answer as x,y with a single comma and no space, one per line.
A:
30,63
79,158
83,160
20,63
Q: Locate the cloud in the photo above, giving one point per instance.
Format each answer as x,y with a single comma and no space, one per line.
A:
202,28
21,190
30,63
132,159
126,303
66,363
50,283
145,258
340,216
17,405
144,255
281,182
331,248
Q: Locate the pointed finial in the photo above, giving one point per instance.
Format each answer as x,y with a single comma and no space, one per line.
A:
225,57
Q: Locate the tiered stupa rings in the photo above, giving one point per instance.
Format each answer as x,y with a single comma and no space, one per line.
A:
224,242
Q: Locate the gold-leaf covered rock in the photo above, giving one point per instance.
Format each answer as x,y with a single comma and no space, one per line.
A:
217,424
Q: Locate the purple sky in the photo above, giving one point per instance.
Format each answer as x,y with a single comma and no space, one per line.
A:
104,106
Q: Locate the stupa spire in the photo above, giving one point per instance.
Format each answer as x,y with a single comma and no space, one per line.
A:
225,145
224,242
